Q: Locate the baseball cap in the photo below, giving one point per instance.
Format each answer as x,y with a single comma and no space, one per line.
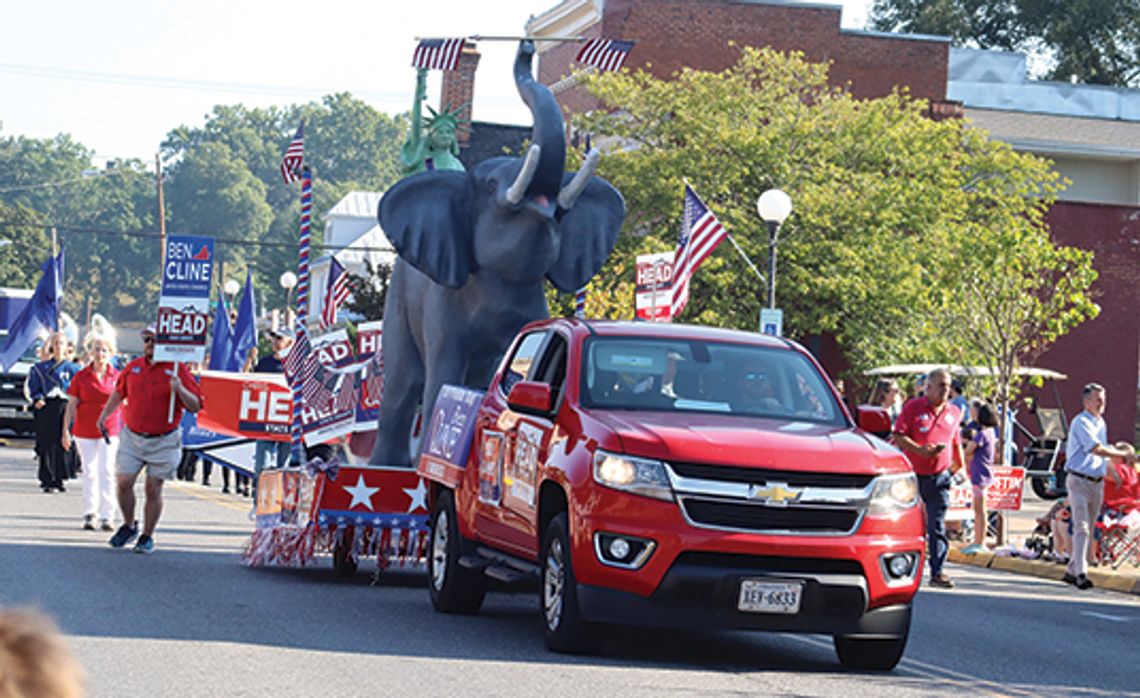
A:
279,332
149,329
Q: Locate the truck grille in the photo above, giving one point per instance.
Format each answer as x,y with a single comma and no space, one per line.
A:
754,517
729,473
778,502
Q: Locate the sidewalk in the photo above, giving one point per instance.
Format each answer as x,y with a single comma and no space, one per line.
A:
1021,524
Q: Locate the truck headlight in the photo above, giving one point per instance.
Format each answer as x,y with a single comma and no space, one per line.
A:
637,475
891,494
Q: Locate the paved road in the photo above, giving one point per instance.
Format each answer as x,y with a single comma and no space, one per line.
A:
191,621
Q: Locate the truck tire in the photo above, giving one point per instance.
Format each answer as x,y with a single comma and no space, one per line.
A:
869,654
564,628
453,588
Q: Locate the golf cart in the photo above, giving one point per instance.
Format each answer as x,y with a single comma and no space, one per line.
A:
1043,456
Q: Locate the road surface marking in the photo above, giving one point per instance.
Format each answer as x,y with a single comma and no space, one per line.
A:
1105,616
931,671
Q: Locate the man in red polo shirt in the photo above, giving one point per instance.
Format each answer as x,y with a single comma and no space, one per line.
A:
927,432
148,438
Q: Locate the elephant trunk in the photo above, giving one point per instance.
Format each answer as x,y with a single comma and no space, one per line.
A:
548,132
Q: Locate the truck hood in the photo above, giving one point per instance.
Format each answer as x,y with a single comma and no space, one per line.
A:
742,441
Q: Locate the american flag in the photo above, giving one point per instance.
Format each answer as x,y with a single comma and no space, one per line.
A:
605,54
301,365
437,54
336,293
701,232
294,157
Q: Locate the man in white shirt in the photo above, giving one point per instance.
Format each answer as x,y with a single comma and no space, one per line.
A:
1086,459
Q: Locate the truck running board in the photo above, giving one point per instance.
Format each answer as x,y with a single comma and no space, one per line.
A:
501,567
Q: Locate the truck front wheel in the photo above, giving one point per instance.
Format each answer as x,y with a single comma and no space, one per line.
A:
869,654
563,626
453,589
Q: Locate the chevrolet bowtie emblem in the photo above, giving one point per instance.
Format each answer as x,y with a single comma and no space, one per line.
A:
774,494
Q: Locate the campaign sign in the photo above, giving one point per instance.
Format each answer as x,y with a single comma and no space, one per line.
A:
449,434
372,377
184,305
1002,494
368,338
654,289
334,350
251,405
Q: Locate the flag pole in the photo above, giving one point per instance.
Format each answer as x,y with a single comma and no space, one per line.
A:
302,299
480,37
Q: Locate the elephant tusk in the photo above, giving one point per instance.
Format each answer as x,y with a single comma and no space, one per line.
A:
526,174
574,189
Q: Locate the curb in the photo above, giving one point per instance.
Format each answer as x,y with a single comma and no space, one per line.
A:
1103,579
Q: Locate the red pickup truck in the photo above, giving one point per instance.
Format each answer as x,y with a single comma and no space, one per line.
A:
673,475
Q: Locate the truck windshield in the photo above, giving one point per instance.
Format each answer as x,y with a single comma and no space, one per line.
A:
31,354
634,373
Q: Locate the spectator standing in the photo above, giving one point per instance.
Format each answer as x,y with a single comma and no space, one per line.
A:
1086,459
927,432
90,390
886,395
980,450
958,399
148,439
48,382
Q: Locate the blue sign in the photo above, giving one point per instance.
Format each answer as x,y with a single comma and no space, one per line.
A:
453,424
188,267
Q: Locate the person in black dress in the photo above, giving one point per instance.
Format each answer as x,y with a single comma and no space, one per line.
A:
48,382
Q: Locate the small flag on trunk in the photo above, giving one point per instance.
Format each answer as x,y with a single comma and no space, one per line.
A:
605,54
438,54
294,157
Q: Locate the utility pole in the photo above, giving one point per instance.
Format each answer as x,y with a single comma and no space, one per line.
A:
161,202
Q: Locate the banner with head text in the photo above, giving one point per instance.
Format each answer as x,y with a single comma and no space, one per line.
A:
184,304
371,376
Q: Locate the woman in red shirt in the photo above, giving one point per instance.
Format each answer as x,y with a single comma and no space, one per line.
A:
88,393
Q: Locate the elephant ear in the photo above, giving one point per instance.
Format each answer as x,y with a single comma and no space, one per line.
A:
428,219
589,232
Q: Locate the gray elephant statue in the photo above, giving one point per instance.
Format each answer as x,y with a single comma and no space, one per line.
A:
474,249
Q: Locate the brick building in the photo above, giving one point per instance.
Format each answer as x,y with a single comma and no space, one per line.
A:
1093,136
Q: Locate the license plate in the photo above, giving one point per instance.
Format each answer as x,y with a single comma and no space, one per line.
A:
762,596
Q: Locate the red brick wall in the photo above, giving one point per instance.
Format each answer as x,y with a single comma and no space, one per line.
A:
458,88
672,34
1105,350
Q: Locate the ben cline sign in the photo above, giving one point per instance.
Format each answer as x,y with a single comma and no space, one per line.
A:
184,305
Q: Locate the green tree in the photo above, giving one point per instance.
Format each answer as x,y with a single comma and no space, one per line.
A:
369,292
881,193
1097,41
24,246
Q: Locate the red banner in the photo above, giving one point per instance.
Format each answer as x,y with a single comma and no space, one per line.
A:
253,405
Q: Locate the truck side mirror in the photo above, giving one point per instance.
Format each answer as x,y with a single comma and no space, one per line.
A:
530,397
874,420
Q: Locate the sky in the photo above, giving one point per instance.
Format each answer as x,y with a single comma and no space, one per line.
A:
117,75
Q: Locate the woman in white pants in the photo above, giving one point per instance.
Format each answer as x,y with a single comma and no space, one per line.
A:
88,394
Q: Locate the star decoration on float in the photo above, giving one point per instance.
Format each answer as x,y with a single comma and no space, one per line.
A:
361,493
418,495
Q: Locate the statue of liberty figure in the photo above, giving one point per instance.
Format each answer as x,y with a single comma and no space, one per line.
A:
431,142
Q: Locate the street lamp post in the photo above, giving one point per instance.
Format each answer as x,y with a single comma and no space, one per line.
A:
774,207
288,281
